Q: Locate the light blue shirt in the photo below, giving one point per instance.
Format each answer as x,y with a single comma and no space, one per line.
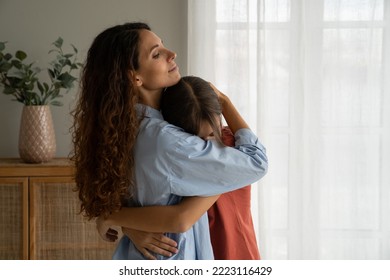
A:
171,164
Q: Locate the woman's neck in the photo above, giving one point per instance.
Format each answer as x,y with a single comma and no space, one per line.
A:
151,98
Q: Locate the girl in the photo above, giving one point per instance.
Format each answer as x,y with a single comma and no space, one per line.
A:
192,105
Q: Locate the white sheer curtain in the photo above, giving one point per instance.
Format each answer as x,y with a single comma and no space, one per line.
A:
312,77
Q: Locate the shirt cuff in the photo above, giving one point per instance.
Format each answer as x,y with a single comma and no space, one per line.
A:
245,136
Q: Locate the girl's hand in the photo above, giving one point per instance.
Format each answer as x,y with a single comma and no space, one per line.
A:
148,243
105,231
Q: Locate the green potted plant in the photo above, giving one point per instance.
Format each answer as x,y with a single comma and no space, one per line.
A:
21,81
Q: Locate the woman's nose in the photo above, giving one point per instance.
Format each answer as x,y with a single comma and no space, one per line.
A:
171,55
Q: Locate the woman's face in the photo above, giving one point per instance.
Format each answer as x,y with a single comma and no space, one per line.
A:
157,64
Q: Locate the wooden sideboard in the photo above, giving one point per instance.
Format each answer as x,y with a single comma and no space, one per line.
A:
39,214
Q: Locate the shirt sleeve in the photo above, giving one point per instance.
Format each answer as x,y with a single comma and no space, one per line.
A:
203,168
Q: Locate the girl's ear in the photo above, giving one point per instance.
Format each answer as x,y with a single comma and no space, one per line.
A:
135,78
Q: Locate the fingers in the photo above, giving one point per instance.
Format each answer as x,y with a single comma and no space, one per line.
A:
106,233
164,245
111,235
221,97
150,243
166,240
215,89
112,231
147,254
168,252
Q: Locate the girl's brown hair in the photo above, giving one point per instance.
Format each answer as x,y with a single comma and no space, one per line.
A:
105,121
189,102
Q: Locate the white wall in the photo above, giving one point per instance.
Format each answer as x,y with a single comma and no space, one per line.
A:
33,25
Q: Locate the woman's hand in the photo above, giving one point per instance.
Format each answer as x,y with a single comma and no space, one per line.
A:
233,118
106,231
148,243
222,97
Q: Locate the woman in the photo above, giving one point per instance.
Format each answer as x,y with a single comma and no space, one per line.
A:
126,155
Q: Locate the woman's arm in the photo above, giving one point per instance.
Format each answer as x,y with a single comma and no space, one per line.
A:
180,217
170,218
233,118
144,225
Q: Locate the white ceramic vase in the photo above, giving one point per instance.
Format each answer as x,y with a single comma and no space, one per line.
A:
37,142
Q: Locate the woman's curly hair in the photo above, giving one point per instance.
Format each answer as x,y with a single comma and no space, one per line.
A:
105,122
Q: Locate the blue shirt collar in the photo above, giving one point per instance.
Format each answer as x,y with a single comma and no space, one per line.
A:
147,111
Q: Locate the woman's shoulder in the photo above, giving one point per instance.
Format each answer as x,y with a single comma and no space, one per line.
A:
178,137
166,134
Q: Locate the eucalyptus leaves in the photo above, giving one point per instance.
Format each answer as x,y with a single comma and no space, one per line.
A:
20,79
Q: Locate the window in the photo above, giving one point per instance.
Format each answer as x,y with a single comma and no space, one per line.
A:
310,78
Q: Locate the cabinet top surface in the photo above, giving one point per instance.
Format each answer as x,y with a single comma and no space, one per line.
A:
10,162
16,167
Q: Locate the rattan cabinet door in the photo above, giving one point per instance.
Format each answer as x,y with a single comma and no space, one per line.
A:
13,218
57,231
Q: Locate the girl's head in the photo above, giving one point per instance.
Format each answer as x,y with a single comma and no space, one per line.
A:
193,105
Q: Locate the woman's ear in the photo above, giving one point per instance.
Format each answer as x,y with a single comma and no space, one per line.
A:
135,78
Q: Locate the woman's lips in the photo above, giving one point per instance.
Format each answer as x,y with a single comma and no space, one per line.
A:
174,68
